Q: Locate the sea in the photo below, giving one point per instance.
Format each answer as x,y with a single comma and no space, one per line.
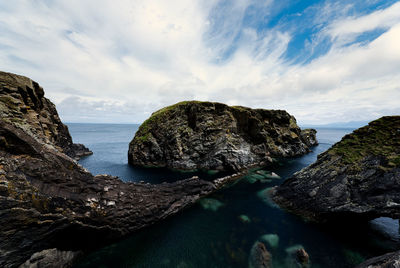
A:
220,230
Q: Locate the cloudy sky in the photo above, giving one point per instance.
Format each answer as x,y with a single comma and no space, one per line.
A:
117,61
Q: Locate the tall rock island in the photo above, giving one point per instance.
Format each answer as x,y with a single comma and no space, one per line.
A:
209,135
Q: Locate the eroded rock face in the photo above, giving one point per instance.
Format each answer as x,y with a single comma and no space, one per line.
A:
358,177
51,258
206,135
48,201
390,260
22,104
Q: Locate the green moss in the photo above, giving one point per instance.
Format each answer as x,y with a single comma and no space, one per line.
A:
143,133
9,102
380,138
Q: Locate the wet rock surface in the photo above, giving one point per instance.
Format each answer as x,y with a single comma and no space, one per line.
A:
259,256
51,206
51,258
206,135
359,177
390,260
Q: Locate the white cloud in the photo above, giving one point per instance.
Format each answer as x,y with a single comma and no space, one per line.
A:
117,61
345,30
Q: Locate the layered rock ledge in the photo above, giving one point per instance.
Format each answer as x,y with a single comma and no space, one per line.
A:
22,104
208,135
53,209
357,177
389,260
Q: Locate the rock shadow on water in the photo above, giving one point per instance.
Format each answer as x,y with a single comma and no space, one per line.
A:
353,257
210,204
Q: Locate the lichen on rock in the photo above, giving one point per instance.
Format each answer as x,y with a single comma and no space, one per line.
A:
208,135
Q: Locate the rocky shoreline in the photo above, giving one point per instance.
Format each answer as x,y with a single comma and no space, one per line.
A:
53,209
358,177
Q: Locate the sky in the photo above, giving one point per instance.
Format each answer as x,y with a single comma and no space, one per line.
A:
103,61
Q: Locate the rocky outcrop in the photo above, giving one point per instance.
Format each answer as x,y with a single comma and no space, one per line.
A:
51,258
259,256
358,177
22,104
207,135
52,208
390,260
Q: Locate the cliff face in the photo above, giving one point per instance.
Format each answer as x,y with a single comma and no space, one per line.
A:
206,135
357,177
51,206
22,103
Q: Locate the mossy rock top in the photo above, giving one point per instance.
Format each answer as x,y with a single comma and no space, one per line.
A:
379,138
358,178
212,135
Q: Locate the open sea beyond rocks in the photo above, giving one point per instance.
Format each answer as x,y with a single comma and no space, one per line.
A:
220,230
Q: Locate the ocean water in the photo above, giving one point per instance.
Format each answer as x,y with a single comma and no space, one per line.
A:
220,230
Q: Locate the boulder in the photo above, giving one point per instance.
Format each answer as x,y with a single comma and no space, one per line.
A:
259,256
214,136
358,177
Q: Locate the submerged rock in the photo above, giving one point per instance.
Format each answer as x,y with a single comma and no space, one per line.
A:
244,218
264,195
297,257
207,135
210,204
302,257
271,240
259,256
22,104
49,205
358,177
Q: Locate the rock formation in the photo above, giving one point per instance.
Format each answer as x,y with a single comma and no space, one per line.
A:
50,205
259,256
390,260
206,135
358,177
22,104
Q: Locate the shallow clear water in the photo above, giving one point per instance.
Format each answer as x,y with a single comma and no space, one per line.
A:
220,231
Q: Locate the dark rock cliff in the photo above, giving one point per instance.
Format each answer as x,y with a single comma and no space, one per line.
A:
22,103
207,135
358,177
50,207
